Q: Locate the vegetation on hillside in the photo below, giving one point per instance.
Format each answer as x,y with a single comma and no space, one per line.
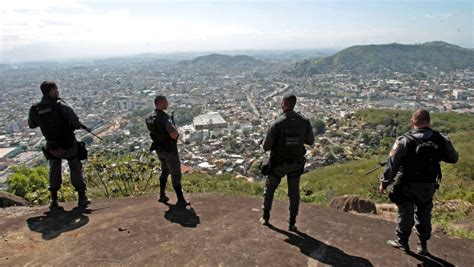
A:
137,174
365,59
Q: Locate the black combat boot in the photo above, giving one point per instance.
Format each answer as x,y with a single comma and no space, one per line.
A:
83,201
399,244
264,220
292,224
54,203
163,198
180,196
422,248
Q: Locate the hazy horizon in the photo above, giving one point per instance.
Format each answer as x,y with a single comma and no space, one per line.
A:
75,29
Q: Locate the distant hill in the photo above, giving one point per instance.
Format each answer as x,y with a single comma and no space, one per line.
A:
219,61
431,56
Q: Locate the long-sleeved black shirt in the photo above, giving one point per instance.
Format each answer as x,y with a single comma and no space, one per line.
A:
399,151
271,135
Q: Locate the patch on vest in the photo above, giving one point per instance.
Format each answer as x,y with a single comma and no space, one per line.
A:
394,149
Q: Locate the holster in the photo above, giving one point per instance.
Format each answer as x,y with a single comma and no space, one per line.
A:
265,166
46,153
81,150
395,193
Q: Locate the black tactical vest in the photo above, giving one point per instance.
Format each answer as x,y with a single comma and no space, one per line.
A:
290,133
54,127
162,140
421,163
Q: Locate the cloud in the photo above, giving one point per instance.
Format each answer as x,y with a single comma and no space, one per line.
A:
438,15
29,22
28,6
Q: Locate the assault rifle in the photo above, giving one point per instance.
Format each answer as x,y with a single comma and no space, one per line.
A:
381,164
90,131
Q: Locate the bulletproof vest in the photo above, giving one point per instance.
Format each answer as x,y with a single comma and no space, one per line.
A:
289,139
421,163
156,124
54,127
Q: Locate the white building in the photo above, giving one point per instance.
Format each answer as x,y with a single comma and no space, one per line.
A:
209,121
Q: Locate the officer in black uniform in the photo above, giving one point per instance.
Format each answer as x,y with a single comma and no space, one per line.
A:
164,134
414,166
286,138
57,122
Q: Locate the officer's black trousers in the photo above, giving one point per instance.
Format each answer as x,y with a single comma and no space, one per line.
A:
170,164
415,210
271,185
55,174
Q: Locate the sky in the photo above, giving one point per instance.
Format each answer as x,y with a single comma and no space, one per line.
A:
66,29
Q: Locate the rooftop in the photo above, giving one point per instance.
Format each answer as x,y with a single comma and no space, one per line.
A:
208,119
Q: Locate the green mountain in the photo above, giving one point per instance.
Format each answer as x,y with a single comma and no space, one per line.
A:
218,61
364,59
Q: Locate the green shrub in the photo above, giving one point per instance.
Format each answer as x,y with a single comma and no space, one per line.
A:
32,185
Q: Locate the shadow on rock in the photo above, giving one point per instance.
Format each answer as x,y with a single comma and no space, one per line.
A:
430,260
181,215
320,251
57,221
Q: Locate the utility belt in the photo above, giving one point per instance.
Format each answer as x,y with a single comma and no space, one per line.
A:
78,150
276,161
416,179
159,146
281,167
396,191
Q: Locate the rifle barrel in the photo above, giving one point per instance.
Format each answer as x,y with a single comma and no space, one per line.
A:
376,168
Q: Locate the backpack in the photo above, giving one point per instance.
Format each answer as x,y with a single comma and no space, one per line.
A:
161,139
425,156
54,127
293,143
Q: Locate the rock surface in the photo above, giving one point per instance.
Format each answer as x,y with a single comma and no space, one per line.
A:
353,203
8,200
216,230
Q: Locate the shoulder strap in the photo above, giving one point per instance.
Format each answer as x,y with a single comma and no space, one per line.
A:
410,137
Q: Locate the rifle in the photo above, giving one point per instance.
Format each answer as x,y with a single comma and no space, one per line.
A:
85,127
172,118
258,144
381,164
90,131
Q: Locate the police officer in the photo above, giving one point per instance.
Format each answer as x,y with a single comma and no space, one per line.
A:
57,122
286,138
415,161
164,134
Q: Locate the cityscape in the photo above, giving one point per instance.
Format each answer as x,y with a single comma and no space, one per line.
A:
387,87
222,105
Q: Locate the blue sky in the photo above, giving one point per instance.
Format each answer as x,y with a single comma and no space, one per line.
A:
58,29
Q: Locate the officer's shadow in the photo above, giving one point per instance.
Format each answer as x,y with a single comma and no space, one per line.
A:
320,251
429,260
57,221
181,215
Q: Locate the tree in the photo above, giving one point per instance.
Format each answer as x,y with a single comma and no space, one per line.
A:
32,185
319,126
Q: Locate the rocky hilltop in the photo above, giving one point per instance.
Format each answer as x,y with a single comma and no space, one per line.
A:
217,230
